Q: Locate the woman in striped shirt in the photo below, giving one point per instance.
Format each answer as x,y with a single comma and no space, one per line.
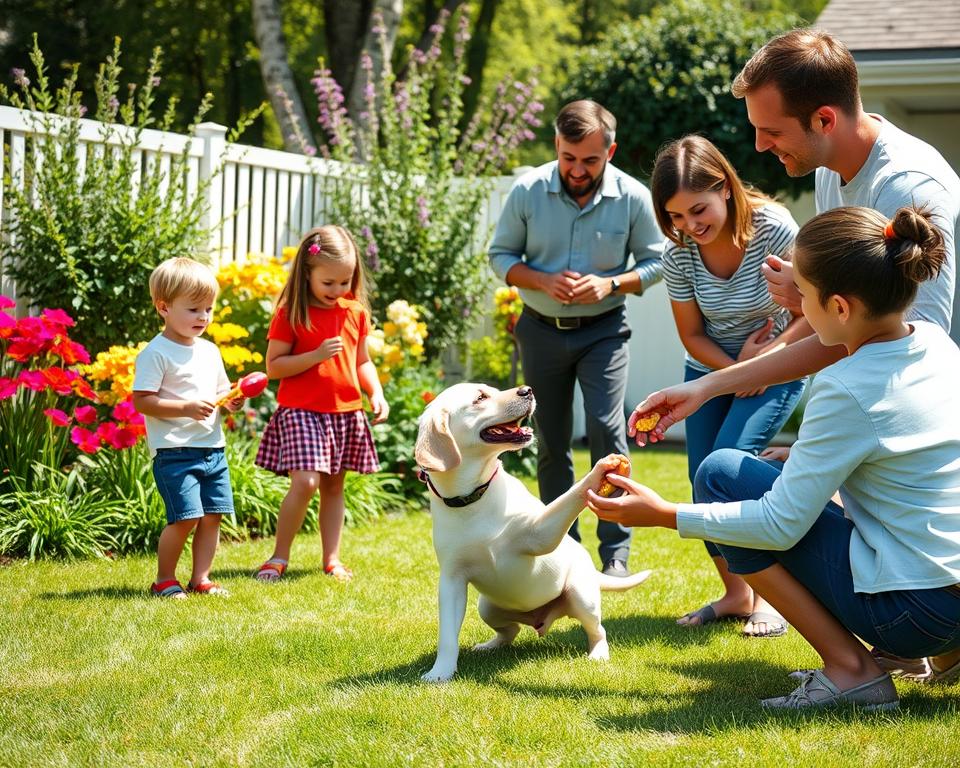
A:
720,231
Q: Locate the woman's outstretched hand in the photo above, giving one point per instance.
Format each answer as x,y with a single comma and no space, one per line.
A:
639,506
673,405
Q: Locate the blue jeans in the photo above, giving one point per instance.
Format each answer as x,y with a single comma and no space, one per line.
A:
747,423
909,623
193,482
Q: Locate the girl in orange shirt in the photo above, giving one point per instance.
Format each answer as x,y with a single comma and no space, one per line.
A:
318,349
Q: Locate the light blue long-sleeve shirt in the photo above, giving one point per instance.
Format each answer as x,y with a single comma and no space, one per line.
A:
883,426
544,228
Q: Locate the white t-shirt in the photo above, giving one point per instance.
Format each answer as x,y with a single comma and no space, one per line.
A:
180,372
903,170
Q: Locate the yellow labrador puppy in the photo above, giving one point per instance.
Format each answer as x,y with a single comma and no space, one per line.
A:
489,531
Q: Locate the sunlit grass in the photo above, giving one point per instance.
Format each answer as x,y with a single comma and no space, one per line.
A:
312,672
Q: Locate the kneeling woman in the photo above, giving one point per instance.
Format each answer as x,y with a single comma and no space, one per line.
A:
883,425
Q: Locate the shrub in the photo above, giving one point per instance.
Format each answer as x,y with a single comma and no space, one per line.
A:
669,73
56,516
415,202
79,236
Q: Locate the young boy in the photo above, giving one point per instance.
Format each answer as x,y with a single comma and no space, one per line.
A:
177,381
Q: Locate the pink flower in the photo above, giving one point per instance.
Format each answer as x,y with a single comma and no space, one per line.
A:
85,414
7,325
33,380
58,417
85,440
123,438
38,329
59,317
21,349
59,380
126,412
69,351
107,431
8,388
6,302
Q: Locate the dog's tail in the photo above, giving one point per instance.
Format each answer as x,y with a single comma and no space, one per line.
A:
621,583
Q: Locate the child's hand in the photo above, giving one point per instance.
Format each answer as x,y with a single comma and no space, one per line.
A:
198,410
234,405
381,409
329,348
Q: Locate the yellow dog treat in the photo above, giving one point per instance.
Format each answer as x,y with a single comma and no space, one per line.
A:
648,422
609,489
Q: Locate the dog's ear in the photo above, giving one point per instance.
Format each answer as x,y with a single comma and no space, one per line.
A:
436,449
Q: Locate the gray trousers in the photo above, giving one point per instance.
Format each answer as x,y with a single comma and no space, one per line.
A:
553,361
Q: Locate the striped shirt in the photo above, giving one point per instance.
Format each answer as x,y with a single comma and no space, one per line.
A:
734,307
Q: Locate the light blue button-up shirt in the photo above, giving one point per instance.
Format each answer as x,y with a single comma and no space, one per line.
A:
543,227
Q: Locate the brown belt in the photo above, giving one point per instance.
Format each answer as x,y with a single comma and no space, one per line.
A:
571,323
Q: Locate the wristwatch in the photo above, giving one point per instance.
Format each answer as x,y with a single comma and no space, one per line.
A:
614,285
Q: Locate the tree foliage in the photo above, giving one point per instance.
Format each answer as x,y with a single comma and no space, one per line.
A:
669,74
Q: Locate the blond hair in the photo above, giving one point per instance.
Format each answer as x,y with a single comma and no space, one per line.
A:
694,164
321,244
182,276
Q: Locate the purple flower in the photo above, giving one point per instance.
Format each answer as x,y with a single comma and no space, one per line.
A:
366,63
20,77
423,212
365,233
114,104
436,29
155,81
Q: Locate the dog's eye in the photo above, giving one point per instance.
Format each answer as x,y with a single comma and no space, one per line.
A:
481,397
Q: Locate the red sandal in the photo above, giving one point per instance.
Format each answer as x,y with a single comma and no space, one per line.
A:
208,588
169,588
338,571
272,570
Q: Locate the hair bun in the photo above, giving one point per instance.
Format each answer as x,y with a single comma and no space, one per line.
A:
918,248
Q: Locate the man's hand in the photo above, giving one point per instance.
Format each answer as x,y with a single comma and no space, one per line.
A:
589,289
673,404
559,286
779,276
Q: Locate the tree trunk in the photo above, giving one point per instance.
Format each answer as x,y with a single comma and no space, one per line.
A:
477,58
390,12
278,77
345,23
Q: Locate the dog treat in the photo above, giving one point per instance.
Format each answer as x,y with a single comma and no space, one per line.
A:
607,488
648,422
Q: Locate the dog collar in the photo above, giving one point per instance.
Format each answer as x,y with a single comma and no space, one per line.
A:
458,501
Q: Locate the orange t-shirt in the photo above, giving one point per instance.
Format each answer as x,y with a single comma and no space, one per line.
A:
332,386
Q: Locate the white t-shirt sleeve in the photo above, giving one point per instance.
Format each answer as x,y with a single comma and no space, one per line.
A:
148,370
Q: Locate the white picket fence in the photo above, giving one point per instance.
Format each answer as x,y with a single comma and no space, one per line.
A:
260,200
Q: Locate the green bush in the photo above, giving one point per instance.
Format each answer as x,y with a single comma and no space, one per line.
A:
669,74
59,516
78,237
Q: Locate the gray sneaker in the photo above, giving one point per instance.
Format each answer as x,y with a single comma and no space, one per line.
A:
816,690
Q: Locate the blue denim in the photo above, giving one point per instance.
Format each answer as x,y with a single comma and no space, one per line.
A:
747,423
193,482
909,623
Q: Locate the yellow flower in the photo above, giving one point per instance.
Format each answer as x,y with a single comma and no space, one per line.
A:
389,328
238,358
114,366
224,333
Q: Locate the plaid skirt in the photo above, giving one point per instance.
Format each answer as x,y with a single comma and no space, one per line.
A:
297,439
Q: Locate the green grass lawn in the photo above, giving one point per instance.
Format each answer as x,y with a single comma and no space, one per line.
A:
312,672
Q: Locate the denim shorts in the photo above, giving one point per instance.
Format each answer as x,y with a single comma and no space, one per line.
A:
193,482
907,622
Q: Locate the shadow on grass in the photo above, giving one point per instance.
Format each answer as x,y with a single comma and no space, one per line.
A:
292,574
111,593
724,693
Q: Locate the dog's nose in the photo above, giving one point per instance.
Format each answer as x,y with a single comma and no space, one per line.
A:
524,392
